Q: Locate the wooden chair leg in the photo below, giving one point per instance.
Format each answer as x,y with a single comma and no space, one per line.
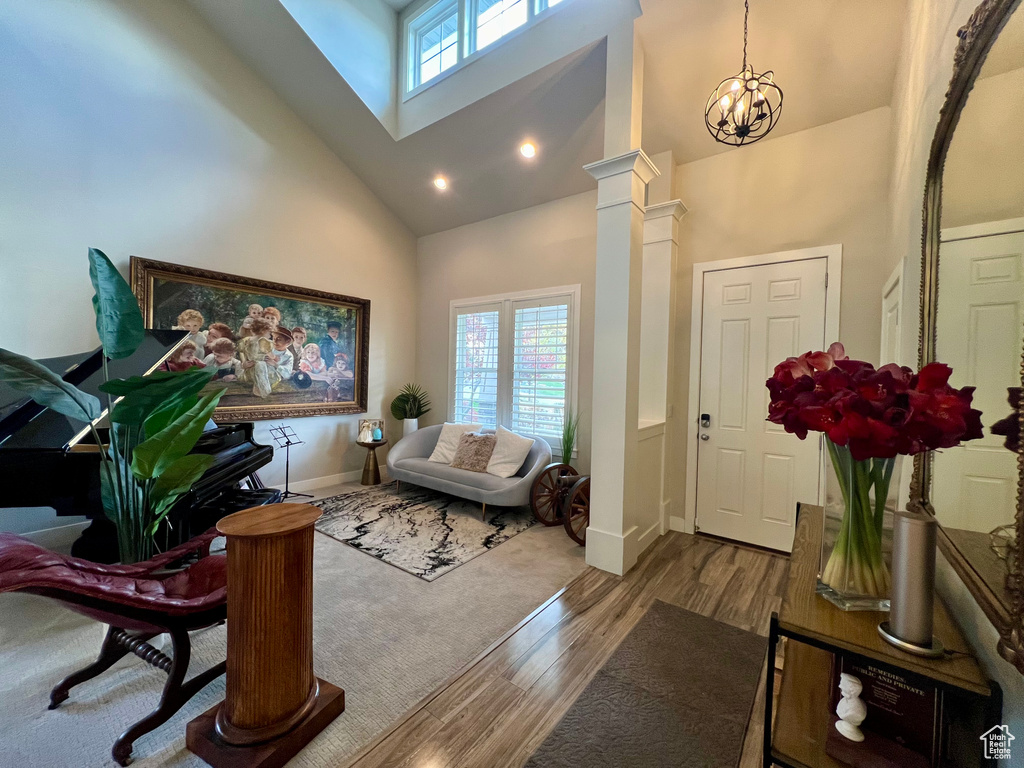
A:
398,486
174,696
111,652
483,512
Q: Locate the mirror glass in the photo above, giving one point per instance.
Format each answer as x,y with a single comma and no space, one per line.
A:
980,318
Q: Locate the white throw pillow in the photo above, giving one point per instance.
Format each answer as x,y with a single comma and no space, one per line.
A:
448,442
509,453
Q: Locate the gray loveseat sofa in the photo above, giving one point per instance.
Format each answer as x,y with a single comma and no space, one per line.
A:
408,461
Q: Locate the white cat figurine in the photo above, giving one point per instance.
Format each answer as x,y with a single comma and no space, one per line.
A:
851,709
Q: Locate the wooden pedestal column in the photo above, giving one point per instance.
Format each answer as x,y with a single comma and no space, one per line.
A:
274,705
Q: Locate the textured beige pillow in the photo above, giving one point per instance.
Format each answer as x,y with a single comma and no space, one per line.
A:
510,452
474,452
448,441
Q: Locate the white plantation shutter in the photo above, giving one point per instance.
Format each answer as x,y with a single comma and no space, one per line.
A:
475,396
540,372
513,361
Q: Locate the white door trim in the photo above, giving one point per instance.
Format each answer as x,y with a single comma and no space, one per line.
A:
893,283
985,229
834,271
894,277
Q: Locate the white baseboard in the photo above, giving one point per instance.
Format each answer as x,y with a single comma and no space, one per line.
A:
58,539
680,524
648,537
322,482
612,552
666,515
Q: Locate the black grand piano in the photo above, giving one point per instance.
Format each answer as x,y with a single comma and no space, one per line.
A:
49,460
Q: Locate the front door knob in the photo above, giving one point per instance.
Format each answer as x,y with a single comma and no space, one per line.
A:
704,436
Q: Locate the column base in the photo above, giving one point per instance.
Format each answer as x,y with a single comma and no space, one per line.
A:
202,739
612,552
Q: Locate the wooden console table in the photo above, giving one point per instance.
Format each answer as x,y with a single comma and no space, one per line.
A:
816,630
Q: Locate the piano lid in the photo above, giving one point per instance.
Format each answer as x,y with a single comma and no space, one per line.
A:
26,426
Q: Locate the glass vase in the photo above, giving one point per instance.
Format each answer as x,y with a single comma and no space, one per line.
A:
856,545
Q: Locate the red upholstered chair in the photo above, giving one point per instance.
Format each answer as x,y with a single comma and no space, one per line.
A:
139,602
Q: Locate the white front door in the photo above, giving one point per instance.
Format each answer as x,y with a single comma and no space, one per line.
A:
978,334
750,472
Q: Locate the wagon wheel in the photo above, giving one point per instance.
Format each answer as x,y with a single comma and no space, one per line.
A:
549,492
576,516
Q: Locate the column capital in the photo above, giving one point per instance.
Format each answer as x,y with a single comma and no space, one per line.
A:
661,222
673,208
636,162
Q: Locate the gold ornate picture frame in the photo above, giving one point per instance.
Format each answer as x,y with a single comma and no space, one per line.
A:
1004,609
272,374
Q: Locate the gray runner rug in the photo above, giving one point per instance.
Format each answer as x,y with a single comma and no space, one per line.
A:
677,693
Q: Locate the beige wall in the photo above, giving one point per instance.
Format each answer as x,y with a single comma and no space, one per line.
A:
131,127
921,81
816,187
984,175
540,247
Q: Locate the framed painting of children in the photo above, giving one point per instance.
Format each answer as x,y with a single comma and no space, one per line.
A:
281,351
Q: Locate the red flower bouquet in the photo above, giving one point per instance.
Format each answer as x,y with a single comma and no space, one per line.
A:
868,417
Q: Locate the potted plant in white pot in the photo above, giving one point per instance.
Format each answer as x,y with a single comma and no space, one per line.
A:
411,403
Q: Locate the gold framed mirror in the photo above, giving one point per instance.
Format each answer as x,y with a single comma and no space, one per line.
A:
972,314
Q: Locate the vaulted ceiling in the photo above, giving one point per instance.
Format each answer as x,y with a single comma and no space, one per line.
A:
833,59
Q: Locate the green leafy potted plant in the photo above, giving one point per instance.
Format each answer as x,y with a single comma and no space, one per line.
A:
569,426
145,463
411,403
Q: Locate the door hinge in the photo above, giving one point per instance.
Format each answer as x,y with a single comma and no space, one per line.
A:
826,279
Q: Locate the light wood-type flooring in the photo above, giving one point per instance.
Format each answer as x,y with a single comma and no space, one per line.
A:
497,711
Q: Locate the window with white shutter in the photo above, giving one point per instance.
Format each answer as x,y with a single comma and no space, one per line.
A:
540,373
513,361
475,396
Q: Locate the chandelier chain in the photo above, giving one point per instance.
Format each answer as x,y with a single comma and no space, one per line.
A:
746,13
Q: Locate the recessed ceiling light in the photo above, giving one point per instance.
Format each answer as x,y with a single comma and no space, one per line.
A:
528,150
441,182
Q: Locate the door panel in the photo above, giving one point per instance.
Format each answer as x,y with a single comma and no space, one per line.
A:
750,473
978,334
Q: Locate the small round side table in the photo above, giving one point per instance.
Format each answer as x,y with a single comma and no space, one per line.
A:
371,469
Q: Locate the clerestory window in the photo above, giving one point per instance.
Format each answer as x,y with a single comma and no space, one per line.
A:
446,33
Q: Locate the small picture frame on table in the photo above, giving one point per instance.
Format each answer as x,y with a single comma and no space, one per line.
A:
370,430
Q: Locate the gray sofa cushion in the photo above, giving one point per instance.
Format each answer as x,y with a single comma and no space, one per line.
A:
480,480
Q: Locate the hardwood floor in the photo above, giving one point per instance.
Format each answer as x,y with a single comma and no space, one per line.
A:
497,711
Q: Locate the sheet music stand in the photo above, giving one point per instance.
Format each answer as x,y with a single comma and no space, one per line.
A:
285,437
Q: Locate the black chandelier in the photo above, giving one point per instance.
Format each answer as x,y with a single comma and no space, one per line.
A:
744,107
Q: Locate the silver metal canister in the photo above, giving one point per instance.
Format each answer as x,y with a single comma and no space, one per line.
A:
913,579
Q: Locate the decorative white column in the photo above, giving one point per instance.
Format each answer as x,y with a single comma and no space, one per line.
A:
661,245
621,185
657,340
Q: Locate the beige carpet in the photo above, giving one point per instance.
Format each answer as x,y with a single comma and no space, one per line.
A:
386,637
